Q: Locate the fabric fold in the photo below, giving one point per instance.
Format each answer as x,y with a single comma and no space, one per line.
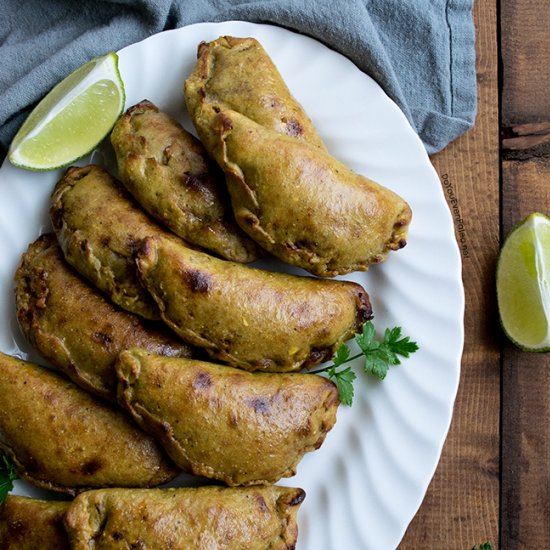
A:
422,53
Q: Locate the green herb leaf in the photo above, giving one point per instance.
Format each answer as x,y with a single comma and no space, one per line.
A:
399,346
7,476
379,356
366,340
377,362
344,382
342,355
484,546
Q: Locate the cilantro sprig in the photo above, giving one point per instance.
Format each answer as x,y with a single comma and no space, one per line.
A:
7,476
484,546
379,356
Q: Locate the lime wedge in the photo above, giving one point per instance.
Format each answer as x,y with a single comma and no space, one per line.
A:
73,118
523,284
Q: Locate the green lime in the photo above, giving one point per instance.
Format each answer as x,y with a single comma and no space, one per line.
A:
523,284
73,118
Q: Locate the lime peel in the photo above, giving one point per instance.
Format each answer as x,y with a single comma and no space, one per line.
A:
73,118
523,284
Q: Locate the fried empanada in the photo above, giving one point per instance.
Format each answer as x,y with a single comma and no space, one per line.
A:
74,326
247,317
98,227
61,438
222,423
168,172
288,193
303,205
237,74
31,524
221,518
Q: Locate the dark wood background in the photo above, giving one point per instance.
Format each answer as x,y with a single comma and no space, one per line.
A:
493,481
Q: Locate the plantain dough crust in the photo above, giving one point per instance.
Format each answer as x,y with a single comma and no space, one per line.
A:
61,438
168,172
31,524
287,191
248,317
221,518
237,74
303,205
99,226
223,423
72,325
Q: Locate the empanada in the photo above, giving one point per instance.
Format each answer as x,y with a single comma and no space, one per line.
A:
61,438
223,423
288,193
72,325
303,205
98,227
247,317
237,74
32,524
202,518
168,172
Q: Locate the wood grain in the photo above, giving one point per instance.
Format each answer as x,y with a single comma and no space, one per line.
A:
526,390
525,30
525,45
461,508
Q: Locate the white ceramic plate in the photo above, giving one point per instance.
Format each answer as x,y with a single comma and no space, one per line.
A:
368,479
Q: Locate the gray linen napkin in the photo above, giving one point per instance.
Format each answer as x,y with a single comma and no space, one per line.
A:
421,52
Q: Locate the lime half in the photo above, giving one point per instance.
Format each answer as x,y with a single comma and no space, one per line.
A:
73,118
523,284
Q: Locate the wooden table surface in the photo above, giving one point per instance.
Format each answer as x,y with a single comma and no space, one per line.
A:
493,481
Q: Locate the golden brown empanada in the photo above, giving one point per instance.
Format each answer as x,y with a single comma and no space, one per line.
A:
247,317
221,518
290,195
61,438
98,227
31,524
168,172
74,326
237,74
215,421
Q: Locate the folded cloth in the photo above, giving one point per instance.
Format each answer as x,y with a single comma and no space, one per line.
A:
421,52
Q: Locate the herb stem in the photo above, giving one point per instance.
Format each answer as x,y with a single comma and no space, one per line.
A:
325,369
